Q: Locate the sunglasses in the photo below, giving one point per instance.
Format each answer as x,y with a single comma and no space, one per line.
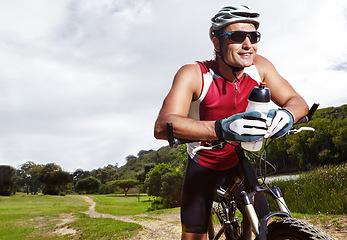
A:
240,36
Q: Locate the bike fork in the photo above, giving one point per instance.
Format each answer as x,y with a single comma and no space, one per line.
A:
259,229
250,211
279,200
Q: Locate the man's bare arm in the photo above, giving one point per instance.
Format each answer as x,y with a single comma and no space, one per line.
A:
282,93
186,86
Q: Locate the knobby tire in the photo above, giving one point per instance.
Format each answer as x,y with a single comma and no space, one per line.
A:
286,228
293,229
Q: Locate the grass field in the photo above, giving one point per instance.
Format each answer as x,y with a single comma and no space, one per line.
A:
120,205
37,217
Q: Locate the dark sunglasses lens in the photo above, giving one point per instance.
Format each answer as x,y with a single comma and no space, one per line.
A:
239,37
254,37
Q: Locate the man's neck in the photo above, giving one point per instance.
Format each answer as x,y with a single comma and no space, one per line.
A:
226,71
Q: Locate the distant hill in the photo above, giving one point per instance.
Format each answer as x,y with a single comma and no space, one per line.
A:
135,165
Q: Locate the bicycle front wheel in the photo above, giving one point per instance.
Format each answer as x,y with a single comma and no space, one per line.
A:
293,229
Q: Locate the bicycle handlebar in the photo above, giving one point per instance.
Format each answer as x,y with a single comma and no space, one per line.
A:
171,139
308,117
175,141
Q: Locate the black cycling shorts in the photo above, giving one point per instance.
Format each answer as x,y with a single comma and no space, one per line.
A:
198,192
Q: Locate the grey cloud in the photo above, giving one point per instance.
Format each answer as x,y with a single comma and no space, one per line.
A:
340,67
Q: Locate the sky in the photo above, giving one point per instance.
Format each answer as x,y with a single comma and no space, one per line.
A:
82,81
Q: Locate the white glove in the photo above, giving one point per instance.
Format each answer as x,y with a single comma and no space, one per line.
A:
243,127
279,122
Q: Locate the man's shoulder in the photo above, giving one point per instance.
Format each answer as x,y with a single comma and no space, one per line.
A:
260,60
190,68
188,80
263,64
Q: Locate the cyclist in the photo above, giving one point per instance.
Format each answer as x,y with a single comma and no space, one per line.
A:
207,101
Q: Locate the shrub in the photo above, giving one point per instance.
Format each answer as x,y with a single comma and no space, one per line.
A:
88,185
166,182
319,191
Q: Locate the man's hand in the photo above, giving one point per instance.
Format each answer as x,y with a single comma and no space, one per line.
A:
241,127
280,121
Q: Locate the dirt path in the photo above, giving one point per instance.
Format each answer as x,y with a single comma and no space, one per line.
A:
167,226
161,226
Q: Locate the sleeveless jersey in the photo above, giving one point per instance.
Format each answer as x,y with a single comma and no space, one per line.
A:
220,99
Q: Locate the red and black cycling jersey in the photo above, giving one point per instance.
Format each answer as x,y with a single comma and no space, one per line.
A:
220,99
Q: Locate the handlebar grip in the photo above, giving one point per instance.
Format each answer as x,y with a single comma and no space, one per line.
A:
170,136
171,139
312,110
308,117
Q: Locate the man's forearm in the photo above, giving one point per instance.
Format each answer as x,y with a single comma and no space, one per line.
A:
297,106
185,128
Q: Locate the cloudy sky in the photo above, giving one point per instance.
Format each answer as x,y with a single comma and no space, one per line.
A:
82,81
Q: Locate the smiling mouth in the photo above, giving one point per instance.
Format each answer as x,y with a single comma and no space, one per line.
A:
245,54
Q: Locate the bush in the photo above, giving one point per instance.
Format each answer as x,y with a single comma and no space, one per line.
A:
166,182
158,203
88,185
107,188
319,191
7,178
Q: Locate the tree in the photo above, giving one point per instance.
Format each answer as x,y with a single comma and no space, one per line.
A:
171,188
7,180
166,182
141,176
127,184
106,174
88,185
54,179
306,150
107,188
130,157
32,176
144,152
153,181
28,177
79,174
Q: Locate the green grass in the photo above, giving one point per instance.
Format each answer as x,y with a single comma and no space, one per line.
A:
21,214
321,191
36,217
120,205
146,218
103,228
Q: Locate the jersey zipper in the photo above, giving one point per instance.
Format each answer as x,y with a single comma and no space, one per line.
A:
236,83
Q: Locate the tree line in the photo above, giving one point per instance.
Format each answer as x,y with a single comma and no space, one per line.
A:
50,179
160,173
326,145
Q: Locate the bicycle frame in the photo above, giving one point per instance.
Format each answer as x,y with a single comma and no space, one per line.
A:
259,227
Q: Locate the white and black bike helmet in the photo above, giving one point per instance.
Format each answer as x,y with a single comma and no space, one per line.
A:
232,14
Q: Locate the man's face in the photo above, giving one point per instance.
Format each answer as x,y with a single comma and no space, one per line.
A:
239,54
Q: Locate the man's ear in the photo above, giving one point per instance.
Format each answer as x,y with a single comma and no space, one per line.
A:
216,45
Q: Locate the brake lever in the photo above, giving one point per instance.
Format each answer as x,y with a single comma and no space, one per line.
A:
295,131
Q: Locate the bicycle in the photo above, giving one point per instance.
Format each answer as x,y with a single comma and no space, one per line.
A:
278,225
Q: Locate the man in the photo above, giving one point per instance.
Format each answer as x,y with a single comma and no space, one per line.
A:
207,101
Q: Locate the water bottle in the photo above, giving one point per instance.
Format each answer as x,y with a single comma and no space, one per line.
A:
258,100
